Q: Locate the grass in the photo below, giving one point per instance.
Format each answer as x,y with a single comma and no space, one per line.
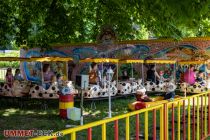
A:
33,116
29,114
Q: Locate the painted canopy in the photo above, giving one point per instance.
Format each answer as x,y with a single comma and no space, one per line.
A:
39,59
49,59
100,60
160,61
14,59
191,62
131,61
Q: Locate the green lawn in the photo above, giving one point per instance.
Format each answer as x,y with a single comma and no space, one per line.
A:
31,115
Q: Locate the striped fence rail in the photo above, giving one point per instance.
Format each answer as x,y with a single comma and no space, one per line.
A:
185,118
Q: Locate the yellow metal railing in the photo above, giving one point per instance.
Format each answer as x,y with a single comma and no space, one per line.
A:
102,123
196,126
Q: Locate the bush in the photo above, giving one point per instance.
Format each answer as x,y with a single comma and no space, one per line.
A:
13,64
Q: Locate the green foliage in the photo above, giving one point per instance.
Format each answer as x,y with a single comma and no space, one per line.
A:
9,64
6,64
59,21
10,54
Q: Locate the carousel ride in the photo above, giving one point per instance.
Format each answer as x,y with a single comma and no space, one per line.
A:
36,87
98,82
131,85
57,83
158,83
101,87
18,88
105,72
193,79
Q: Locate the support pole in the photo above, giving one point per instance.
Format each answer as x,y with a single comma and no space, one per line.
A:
155,76
132,70
110,110
102,74
67,76
174,73
132,78
142,72
42,75
117,76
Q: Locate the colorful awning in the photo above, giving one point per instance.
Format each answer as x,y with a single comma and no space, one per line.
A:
14,59
100,60
49,59
131,61
160,61
188,62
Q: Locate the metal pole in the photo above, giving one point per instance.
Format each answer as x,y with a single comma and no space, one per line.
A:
67,76
117,75
132,70
132,77
205,72
174,73
188,84
81,105
42,75
142,72
155,75
102,73
110,108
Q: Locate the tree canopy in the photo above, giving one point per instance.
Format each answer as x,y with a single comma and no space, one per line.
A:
68,21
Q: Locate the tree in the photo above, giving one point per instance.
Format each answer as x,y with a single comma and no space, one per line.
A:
59,21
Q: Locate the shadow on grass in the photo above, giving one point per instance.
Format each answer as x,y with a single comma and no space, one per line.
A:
32,114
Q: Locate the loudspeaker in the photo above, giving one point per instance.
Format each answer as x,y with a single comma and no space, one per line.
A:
82,81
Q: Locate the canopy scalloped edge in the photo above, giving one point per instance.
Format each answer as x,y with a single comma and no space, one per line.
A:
100,60
191,62
160,61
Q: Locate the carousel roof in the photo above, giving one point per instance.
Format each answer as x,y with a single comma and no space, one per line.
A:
49,59
131,61
100,60
158,61
14,59
40,59
195,62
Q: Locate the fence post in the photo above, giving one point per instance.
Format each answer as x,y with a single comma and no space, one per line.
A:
198,129
193,127
209,114
116,132
173,127
161,123
103,131
178,121
154,124
73,136
189,120
89,133
146,125
201,116
165,122
137,126
205,123
127,128
183,120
